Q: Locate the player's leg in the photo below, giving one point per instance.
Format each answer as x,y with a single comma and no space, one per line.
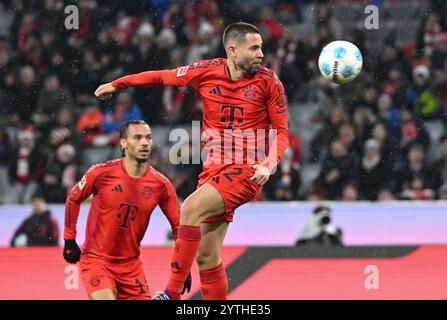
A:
203,203
97,279
103,294
213,278
131,281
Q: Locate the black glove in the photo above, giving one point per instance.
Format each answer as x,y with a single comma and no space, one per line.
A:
187,284
72,253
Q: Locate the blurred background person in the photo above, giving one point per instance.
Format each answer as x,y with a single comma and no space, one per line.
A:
39,229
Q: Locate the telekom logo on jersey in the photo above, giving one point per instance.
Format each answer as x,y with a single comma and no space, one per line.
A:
227,146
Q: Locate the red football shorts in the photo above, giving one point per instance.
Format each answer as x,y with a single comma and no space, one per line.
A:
125,279
234,185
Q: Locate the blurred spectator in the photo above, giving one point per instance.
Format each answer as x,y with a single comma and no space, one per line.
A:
26,94
195,10
5,156
431,35
204,44
346,135
362,120
415,180
39,229
386,195
441,170
319,229
123,110
65,128
124,28
90,124
339,168
391,56
61,175
50,99
428,99
284,184
373,173
174,19
26,169
51,15
388,146
369,97
269,25
329,131
412,130
290,63
388,114
350,192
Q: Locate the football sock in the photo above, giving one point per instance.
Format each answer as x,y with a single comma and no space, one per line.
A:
214,283
186,247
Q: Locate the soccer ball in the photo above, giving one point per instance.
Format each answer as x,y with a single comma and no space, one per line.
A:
340,61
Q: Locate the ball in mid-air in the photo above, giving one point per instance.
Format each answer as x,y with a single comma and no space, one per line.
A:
340,61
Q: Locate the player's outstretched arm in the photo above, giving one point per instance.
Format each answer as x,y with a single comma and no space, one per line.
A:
180,77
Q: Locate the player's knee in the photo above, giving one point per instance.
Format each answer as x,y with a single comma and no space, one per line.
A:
104,294
207,260
191,210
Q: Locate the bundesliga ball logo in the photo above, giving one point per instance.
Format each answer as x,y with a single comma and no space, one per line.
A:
340,62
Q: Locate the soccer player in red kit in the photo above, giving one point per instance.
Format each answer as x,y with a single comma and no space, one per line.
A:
125,192
239,94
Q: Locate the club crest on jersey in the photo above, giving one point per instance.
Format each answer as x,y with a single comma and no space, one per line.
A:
182,71
249,93
95,280
147,192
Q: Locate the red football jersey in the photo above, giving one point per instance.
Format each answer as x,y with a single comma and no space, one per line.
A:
120,210
236,114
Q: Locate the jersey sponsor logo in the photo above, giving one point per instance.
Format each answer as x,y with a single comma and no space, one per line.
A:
82,183
147,192
182,71
127,214
233,115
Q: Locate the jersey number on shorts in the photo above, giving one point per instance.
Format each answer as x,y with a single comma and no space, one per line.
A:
236,172
140,285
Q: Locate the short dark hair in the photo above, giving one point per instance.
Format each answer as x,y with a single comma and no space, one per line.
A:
125,128
237,31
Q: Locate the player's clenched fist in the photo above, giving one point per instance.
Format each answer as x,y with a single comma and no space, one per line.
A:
72,252
105,91
261,175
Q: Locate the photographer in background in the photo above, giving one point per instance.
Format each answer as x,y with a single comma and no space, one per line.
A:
319,229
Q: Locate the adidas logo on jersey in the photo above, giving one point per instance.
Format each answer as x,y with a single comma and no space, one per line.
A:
117,188
216,90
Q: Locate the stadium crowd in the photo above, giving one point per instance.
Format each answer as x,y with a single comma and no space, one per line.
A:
372,143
